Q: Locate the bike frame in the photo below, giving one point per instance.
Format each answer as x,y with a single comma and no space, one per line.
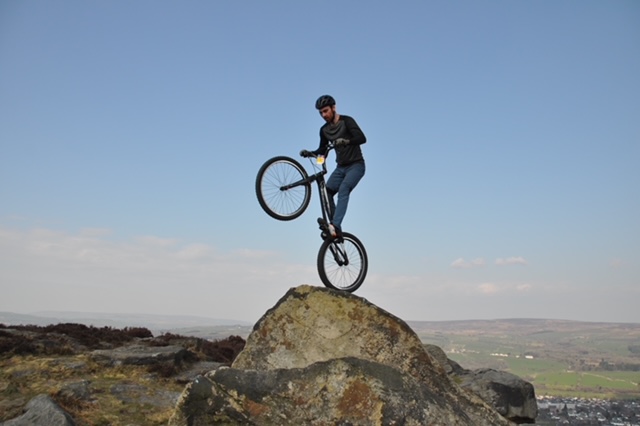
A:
324,195
336,249
318,177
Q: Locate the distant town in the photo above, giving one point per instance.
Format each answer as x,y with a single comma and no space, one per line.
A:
587,412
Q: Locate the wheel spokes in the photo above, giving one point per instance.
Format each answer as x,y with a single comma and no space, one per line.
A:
275,178
343,264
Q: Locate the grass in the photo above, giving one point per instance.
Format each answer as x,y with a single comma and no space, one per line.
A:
24,377
551,377
563,364
55,361
604,385
532,368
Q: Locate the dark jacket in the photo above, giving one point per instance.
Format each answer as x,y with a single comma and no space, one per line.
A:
345,128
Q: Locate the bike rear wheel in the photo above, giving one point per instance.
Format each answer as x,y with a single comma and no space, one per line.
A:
275,196
343,263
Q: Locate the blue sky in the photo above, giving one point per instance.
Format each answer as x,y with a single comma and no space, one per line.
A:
502,156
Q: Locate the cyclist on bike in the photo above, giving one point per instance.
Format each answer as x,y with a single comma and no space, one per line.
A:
347,137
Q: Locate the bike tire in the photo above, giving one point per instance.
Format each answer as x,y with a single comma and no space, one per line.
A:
277,203
346,277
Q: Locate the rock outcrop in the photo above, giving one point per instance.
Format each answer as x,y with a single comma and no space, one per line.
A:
52,375
42,410
142,355
320,357
513,397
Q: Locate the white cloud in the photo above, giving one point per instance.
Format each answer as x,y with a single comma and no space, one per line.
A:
460,263
488,288
194,252
149,240
504,288
398,283
519,260
524,287
95,271
86,271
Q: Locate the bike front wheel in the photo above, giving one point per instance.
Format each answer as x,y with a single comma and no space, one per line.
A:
281,188
343,263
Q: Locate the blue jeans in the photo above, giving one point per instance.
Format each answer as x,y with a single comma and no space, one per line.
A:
342,181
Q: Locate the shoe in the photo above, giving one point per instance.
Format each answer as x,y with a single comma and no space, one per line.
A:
334,231
322,224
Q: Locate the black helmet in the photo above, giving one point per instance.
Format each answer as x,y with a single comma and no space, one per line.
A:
325,100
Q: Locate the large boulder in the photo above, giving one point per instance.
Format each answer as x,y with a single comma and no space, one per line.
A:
345,391
42,410
513,397
311,324
321,356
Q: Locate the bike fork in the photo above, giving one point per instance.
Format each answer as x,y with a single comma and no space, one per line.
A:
339,254
323,222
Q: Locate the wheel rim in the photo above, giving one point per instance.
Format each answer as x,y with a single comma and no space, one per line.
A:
344,276
288,202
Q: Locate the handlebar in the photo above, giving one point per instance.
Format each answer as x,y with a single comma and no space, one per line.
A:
330,145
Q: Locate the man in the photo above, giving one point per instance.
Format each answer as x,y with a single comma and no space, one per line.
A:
347,137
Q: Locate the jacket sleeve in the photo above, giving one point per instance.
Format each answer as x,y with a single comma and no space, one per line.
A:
357,137
322,148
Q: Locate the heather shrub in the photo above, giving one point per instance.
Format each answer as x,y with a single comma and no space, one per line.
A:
64,338
224,351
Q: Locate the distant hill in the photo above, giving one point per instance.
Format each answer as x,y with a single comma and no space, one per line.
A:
576,342
560,357
524,330
520,324
156,323
528,329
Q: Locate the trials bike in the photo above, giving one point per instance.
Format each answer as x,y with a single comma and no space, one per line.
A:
283,188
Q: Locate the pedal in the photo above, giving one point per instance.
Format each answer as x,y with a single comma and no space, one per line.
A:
322,225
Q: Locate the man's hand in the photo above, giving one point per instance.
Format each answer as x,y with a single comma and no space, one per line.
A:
304,153
341,142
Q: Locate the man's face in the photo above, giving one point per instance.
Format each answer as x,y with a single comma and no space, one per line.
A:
328,113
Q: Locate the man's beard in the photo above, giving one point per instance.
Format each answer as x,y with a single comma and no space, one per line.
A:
330,119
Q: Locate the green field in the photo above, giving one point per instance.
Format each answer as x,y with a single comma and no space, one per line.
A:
553,377
560,358
614,384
